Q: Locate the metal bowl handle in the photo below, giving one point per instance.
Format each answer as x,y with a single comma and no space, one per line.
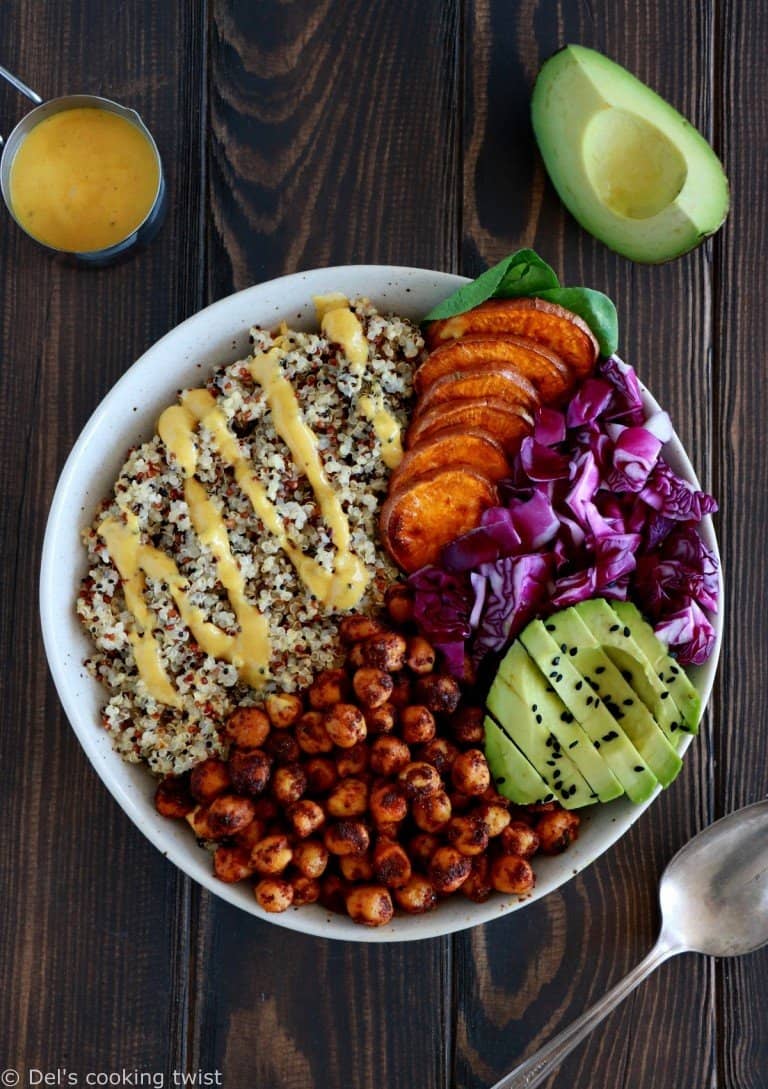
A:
20,86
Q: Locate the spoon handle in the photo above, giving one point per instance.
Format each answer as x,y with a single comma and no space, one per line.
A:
20,85
544,1062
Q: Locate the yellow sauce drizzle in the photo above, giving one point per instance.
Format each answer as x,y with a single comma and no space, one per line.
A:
332,301
175,427
343,327
386,428
341,588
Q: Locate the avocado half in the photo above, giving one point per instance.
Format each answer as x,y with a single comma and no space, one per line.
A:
628,166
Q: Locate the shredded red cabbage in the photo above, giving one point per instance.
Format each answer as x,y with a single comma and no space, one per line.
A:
590,508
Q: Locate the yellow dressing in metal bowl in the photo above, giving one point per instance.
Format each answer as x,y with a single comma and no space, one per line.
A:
83,179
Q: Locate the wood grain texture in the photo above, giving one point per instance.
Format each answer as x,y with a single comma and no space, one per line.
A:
333,141
524,978
94,923
741,336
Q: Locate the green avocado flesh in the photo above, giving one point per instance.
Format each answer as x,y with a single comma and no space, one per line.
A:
605,680
537,705
628,166
586,706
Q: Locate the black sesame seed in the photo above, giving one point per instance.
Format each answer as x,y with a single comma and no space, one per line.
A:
559,677
556,661
610,736
539,719
589,701
627,703
578,686
597,744
665,695
572,652
593,795
550,627
548,742
550,763
534,707
597,702
674,670
638,767
564,647
600,669
557,774
614,627
626,633
500,779
626,674
549,687
566,716
673,727
573,744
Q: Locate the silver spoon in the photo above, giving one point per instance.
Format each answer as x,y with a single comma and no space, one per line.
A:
714,900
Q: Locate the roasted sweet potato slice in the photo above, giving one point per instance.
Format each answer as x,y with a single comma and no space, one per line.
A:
453,446
492,381
508,424
543,369
548,324
417,520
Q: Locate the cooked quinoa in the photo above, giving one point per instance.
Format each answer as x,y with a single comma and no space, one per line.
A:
303,634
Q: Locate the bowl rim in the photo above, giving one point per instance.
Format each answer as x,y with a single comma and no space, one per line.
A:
312,920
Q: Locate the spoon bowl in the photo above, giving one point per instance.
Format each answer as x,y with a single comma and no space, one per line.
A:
714,900
714,892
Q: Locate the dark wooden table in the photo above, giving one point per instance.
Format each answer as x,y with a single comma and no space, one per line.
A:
311,133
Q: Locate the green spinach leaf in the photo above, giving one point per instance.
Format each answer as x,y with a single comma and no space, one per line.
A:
597,310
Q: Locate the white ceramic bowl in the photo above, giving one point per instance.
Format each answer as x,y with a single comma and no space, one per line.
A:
129,414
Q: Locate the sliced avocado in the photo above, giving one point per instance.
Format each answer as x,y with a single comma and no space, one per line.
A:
631,169
561,731
615,637
539,746
670,673
513,775
620,754
570,632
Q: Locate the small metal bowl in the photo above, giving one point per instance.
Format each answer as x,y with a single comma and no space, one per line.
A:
152,222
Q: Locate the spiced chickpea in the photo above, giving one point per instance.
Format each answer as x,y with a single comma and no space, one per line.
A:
289,783
391,864
172,797
322,774
557,830
345,725
311,734
231,864
247,727
470,773
468,835
306,890
389,755
494,817
353,761
448,870
370,905
252,834
439,693
440,752
478,885
271,855
388,829
380,720
328,688
388,803
512,874
417,895
347,838
349,798
250,771
283,747
385,651
229,814
273,894
402,693
398,600
373,687
519,839
420,655
431,814
197,819
310,858
284,709
417,724
356,656
420,779
356,867
466,726
353,629
210,779
421,847
333,893
305,817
